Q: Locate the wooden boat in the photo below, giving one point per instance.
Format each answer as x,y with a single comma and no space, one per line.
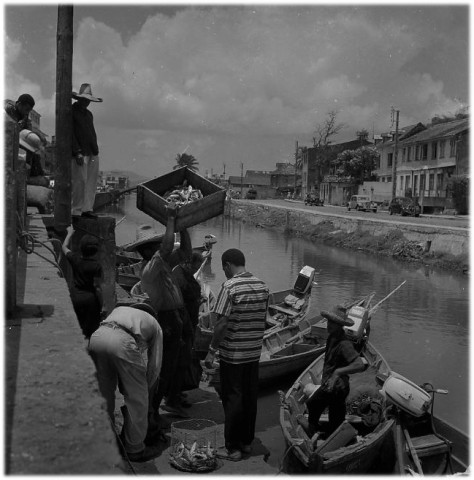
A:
424,443
357,444
279,314
291,305
128,263
289,350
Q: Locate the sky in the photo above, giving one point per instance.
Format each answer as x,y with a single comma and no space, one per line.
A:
240,84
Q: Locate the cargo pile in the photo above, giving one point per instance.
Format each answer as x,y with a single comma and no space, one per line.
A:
183,194
194,459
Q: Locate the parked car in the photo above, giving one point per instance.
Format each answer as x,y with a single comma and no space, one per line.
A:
251,194
404,206
312,199
362,202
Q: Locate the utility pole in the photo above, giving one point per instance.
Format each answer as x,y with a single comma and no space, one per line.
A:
296,162
241,178
63,153
395,155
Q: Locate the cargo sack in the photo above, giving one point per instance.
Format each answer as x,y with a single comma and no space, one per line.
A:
39,197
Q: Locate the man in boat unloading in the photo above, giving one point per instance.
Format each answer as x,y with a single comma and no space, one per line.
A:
341,360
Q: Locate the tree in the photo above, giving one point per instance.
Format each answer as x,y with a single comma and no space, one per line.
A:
358,164
322,139
185,160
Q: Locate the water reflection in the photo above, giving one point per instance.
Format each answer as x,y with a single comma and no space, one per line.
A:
422,330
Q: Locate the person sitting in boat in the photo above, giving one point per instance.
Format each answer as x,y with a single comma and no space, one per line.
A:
341,360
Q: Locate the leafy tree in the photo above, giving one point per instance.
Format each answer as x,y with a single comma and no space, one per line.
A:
358,164
459,187
185,160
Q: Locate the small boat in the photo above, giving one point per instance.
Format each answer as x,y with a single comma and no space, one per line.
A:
356,445
424,443
128,263
285,308
288,350
291,305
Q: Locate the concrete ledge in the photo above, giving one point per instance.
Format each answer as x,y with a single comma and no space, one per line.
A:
56,421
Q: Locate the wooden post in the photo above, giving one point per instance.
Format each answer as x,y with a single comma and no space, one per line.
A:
63,153
11,251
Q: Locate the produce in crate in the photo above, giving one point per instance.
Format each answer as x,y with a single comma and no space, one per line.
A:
183,194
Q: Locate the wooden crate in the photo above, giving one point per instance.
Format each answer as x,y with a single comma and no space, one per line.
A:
150,200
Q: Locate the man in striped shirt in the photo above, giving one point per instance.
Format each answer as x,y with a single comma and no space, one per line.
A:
239,325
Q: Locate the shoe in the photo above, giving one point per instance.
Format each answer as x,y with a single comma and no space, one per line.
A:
175,410
89,215
246,448
225,454
143,456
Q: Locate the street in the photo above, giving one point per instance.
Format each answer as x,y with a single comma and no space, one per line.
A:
455,222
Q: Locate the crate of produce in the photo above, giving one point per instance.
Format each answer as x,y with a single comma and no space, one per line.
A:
151,198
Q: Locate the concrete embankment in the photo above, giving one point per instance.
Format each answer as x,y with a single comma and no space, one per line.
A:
56,422
446,247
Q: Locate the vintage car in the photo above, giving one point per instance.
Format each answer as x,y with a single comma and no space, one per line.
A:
404,206
251,194
312,199
361,202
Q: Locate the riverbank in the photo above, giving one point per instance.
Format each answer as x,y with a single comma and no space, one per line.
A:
441,247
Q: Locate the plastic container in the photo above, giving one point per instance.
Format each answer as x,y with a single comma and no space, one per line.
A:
150,200
360,317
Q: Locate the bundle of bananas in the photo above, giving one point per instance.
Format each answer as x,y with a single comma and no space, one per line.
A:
194,459
183,194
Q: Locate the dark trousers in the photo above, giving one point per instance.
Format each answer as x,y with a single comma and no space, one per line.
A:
336,403
87,309
172,328
239,394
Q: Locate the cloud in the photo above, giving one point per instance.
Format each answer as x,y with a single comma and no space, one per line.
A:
252,71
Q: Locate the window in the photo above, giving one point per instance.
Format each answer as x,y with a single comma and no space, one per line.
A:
415,185
389,159
401,183
442,145
434,150
439,181
404,152
431,182
408,181
424,151
417,152
452,147
409,154
389,179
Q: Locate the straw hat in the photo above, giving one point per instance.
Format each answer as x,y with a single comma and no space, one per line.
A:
337,317
85,91
30,141
145,234
309,390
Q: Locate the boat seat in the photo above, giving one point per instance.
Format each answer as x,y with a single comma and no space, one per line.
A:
428,445
288,311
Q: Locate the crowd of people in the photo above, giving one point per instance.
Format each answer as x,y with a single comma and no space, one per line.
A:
145,348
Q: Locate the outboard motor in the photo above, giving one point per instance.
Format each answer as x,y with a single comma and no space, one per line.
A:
304,280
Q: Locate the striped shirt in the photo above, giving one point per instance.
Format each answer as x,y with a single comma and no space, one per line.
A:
243,299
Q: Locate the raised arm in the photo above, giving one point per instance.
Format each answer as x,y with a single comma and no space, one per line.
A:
65,245
167,244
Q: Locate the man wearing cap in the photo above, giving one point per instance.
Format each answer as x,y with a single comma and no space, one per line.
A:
127,351
341,359
85,152
86,295
20,110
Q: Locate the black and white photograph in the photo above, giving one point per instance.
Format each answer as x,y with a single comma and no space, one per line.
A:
236,238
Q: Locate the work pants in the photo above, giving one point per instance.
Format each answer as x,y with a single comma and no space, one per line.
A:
119,362
239,394
334,401
87,308
84,184
171,325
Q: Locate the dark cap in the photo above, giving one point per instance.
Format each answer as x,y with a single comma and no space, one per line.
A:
26,98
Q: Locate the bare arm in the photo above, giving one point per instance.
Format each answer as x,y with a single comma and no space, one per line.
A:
167,244
220,327
185,244
65,245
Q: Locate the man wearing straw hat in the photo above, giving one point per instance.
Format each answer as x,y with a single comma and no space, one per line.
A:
85,152
341,359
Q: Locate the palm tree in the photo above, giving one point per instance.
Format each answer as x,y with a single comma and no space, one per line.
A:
185,160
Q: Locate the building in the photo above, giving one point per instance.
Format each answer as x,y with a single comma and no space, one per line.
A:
427,157
256,179
112,181
283,179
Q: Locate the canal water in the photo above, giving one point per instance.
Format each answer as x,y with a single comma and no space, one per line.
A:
422,330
